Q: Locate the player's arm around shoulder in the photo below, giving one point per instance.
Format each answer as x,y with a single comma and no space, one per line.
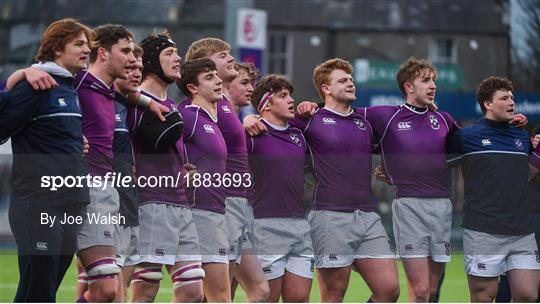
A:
253,125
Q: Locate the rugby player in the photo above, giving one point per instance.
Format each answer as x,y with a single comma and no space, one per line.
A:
239,212
281,232
345,230
206,149
47,140
125,234
498,234
167,233
411,141
123,163
240,91
111,57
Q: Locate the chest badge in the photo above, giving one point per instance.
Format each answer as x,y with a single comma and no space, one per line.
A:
359,123
295,139
434,122
519,143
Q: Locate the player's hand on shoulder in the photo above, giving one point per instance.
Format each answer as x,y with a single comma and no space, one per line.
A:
306,109
158,109
191,169
86,146
380,176
39,80
253,125
519,120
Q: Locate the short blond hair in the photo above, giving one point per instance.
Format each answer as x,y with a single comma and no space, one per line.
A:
321,74
411,69
205,48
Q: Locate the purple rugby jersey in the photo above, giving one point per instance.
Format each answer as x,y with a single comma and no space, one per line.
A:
98,121
276,159
412,146
341,154
205,147
233,132
156,165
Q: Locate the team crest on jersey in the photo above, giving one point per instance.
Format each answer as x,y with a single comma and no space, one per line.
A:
434,122
404,126
519,143
209,129
328,121
296,140
359,123
226,109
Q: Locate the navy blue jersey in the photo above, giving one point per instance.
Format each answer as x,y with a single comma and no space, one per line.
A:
494,162
47,140
123,163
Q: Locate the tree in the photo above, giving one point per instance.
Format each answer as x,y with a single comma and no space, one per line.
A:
526,56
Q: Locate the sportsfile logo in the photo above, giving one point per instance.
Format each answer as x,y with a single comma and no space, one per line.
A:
209,129
486,142
404,126
42,246
328,121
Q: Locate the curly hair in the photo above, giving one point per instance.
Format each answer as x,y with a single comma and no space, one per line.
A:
489,86
270,83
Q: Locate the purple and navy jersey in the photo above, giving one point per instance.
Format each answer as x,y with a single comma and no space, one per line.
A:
205,148
168,164
340,147
233,132
98,121
412,147
276,159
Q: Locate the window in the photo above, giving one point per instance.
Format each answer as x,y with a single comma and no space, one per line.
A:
443,51
280,54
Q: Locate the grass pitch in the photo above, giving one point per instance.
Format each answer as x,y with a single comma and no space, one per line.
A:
454,288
